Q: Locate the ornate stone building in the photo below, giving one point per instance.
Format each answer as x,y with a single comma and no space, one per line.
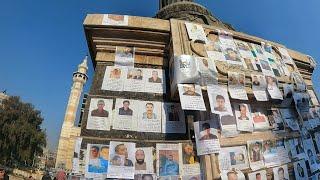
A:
157,41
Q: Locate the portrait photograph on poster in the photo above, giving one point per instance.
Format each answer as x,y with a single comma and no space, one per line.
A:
232,174
149,116
257,51
155,81
219,100
236,85
100,114
207,70
290,118
232,55
196,32
243,116
189,161
97,161
259,118
214,51
145,177
266,68
258,175
192,177
288,90
191,97
185,69
114,78
281,172
285,55
300,85
228,126
259,87
124,56
226,38
173,118
255,154
206,137
144,160
167,159
275,120
273,89
269,152
300,170
126,115
135,80
233,157
244,49
313,160
113,19
121,158
313,97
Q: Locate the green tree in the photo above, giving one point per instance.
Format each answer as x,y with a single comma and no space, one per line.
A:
21,137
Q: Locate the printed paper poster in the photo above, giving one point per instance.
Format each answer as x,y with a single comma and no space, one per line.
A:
214,51
236,85
135,80
285,55
191,97
97,161
121,158
113,19
233,157
168,159
126,115
255,154
273,89
149,116
244,49
281,172
196,32
206,137
260,120
300,170
243,117
124,56
258,175
189,161
207,70
100,114
219,100
276,121
228,125
173,119
232,55
259,87
232,174
155,81
113,79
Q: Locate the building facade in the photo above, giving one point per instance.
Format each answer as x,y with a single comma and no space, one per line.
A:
158,44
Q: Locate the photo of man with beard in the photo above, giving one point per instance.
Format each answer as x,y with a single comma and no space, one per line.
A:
188,154
140,163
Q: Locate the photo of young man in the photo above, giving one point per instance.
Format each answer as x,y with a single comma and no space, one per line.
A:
207,135
189,90
169,164
149,114
100,112
125,109
122,151
155,77
243,112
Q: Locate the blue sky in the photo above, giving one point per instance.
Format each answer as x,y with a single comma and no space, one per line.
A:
42,42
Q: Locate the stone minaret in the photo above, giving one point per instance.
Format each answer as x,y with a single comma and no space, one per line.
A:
69,131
